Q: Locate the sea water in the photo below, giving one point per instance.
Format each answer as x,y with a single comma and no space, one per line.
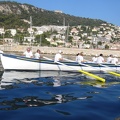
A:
58,96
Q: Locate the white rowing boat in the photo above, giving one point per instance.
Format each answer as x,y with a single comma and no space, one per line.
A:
20,63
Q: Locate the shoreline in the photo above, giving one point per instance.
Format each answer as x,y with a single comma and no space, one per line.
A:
54,50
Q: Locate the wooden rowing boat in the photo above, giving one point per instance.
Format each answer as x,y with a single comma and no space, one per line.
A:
20,63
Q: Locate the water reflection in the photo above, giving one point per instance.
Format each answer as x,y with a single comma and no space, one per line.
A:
1,74
11,80
56,82
99,84
34,101
63,112
46,90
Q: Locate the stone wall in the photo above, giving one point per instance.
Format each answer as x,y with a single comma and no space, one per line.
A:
66,51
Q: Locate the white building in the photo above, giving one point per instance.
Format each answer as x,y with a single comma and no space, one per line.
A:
2,31
13,32
29,39
8,41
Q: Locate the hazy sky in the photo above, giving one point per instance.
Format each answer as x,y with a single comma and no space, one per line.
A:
107,10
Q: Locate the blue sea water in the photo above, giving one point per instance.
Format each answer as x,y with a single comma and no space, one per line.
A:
58,96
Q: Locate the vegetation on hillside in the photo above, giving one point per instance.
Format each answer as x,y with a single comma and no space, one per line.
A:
40,17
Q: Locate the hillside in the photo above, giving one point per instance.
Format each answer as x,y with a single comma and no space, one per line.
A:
16,15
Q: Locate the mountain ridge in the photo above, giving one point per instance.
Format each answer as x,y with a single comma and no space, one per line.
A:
13,13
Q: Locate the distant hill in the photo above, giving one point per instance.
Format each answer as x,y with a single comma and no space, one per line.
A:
17,15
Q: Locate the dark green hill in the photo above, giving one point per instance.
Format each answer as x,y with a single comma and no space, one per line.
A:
14,15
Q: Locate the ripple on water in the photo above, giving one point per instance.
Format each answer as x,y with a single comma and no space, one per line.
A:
66,96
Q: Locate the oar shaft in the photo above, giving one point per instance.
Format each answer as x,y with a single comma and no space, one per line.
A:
92,75
85,72
110,72
68,60
47,58
114,73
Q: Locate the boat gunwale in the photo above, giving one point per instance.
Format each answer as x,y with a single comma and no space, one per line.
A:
85,64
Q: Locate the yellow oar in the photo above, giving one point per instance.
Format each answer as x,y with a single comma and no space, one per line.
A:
111,72
114,73
85,72
92,75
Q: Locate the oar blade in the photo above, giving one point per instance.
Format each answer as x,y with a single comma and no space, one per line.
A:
92,75
114,73
84,72
111,72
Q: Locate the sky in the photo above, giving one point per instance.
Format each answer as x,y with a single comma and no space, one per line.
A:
106,10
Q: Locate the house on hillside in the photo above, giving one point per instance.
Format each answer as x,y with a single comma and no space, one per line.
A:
28,40
2,31
74,31
8,41
13,32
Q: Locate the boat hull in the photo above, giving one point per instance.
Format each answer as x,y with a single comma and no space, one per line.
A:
20,63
